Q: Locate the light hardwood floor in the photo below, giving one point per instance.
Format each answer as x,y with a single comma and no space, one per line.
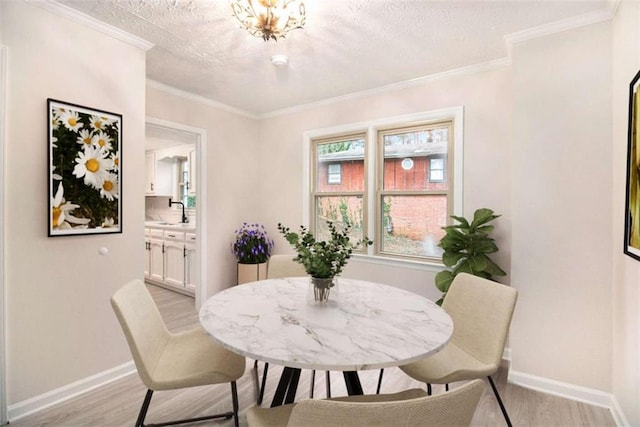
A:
118,403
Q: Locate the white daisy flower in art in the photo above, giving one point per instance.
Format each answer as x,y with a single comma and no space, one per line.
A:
115,158
103,141
109,189
61,217
108,222
86,138
55,175
71,120
55,120
93,165
97,123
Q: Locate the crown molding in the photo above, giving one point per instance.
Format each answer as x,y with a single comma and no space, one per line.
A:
471,69
562,25
199,98
67,12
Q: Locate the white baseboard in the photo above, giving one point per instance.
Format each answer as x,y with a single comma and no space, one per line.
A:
573,392
50,398
506,354
618,415
557,388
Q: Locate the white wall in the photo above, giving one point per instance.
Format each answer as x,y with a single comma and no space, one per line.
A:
626,290
561,191
232,175
60,326
486,97
538,149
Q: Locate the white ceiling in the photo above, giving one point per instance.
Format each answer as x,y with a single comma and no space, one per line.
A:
347,46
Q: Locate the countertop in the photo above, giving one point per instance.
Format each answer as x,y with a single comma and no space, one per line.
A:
188,227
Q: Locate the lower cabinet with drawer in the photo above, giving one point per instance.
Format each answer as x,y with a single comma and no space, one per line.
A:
170,259
190,262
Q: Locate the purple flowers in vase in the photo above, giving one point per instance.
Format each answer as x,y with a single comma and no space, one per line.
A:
252,244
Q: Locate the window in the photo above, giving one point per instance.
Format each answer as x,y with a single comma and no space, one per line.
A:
184,183
334,173
338,190
395,180
436,169
413,209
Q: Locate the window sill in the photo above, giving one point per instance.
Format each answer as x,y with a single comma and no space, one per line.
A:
399,262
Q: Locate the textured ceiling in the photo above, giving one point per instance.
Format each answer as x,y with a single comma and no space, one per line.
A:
347,46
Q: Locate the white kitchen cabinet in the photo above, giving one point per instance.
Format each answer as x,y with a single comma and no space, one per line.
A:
147,257
170,260
159,175
154,263
174,258
150,168
190,264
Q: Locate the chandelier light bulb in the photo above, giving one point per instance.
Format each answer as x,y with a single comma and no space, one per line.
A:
269,19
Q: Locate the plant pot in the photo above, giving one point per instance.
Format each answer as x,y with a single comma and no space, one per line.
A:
251,272
323,289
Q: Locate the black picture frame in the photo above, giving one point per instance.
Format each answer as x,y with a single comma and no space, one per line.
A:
85,170
632,197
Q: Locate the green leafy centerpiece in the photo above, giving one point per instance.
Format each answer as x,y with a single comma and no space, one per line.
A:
322,260
466,247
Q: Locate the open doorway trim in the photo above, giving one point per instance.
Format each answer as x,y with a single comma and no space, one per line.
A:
201,204
3,127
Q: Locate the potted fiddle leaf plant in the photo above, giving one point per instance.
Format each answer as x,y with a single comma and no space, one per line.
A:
322,260
467,246
252,248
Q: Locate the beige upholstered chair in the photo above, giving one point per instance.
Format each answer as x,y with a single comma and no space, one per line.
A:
167,361
407,408
284,266
279,266
481,311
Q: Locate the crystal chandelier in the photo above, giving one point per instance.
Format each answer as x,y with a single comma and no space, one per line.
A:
269,19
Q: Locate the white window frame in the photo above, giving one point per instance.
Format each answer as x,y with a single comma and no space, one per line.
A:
371,128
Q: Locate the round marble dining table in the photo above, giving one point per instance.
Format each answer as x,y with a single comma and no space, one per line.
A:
368,326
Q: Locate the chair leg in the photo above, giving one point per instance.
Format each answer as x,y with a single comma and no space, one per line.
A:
328,385
446,387
143,410
234,399
227,415
504,411
428,389
379,381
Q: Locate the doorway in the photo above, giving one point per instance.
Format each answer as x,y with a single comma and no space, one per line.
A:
3,78
179,134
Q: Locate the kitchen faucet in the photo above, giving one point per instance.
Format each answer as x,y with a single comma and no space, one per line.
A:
184,217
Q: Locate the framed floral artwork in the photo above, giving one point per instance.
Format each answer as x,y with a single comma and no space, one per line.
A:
85,174
632,209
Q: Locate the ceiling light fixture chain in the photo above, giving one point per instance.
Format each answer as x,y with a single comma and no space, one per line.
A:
269,19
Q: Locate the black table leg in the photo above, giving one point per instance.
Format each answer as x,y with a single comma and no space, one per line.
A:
287,387
352,381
